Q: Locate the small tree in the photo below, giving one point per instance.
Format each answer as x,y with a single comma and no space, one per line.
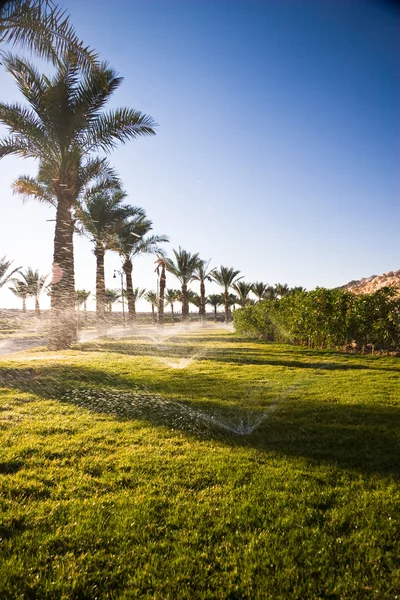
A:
183,266
172,296
203,274
81,298
20,290
226,277
111,296
215,300
152,298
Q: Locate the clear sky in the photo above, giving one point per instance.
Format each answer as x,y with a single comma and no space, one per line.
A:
278,143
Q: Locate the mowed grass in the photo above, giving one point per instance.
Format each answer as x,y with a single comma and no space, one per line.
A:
122,476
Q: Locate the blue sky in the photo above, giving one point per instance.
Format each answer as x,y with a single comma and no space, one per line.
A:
278,143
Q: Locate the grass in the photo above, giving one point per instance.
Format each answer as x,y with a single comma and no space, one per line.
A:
119,480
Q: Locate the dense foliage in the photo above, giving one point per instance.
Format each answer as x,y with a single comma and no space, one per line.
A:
326,318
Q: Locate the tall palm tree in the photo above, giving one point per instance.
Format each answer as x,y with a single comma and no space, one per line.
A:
183,267
81,298
62,127
130,243
20,290
215,300
203,274
111,296
34,283
101,215
243,290
152,298
172,296
258,288
226,277
160,269
42,27
4,267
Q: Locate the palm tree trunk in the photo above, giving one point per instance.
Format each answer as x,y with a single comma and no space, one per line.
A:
133,316
63,329
127,268
226,305
100,286
160,313
202,301
215,314
24,305
185,303
37,306
153,316
172,314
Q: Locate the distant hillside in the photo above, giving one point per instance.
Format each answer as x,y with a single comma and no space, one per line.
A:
367,285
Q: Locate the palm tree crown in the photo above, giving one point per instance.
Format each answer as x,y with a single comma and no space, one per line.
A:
258,288
4,266
242,289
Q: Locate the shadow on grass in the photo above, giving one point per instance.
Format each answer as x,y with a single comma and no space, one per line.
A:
360,437
265,357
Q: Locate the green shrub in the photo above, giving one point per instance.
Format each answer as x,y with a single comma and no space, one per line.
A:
326,319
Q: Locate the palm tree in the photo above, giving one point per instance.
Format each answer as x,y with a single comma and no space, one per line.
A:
258,288
282,289
34,283
203,274
243,290
215,300
160,269
226,277
183,267
269,293
232,300
111,296
130,243
64,125
44,28
172,296
102,215
297,290
20,290
137,294
195,299
152,298
4,266
81,298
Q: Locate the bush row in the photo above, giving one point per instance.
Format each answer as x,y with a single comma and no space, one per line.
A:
326,319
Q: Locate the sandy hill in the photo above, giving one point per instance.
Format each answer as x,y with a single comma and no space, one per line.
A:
367,285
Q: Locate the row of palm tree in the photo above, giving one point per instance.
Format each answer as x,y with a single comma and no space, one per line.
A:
63,128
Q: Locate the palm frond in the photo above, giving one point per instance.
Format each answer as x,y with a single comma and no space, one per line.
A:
31,189
116,126
40,26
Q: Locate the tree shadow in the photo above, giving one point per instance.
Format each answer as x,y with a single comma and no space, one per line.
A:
361,437
174,349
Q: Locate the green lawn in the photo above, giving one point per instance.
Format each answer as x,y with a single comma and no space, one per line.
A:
123,476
